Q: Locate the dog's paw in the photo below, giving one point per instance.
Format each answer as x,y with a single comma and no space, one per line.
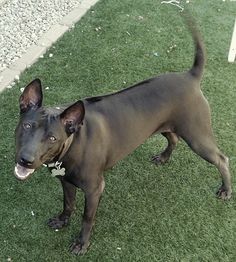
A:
58,222
78,248
223,193
159,159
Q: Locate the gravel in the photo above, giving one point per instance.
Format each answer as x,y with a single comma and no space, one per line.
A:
23,22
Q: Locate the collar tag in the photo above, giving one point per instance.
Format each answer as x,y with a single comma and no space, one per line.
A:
57,171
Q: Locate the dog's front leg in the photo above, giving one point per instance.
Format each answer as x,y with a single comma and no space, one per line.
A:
69,193
92,198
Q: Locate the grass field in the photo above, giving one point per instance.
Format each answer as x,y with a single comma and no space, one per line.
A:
147,213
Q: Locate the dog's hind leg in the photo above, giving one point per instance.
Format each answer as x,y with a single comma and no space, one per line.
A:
69,192
201,141
164,156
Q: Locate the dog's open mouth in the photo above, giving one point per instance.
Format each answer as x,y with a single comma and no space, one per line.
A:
22,172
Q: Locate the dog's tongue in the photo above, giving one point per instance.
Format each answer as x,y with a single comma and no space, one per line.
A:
22,172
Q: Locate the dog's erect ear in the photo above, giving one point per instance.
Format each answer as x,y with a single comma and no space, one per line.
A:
32,96
73,116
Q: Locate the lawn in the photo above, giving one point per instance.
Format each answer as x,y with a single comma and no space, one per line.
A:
147,213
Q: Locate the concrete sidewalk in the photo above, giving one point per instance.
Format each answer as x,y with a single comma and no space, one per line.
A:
12,73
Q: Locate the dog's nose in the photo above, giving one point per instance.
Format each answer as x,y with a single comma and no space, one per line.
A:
27,161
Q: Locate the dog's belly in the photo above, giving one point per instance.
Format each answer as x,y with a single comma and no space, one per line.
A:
125,138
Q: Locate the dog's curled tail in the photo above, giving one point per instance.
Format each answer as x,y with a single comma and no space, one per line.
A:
199,59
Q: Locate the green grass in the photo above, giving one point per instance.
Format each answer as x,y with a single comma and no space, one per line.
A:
147,213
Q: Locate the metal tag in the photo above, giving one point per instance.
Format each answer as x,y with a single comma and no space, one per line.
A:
58,171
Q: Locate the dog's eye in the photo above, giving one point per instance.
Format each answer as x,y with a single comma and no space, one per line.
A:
27,125
52,138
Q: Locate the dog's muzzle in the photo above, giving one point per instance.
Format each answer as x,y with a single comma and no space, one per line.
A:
22,172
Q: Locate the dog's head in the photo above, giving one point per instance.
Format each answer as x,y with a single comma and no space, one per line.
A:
41,133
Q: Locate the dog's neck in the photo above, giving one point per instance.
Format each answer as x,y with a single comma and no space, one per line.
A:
65,148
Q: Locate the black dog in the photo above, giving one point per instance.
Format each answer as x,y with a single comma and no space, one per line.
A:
82,140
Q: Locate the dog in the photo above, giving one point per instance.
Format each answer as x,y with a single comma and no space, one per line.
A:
80,141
